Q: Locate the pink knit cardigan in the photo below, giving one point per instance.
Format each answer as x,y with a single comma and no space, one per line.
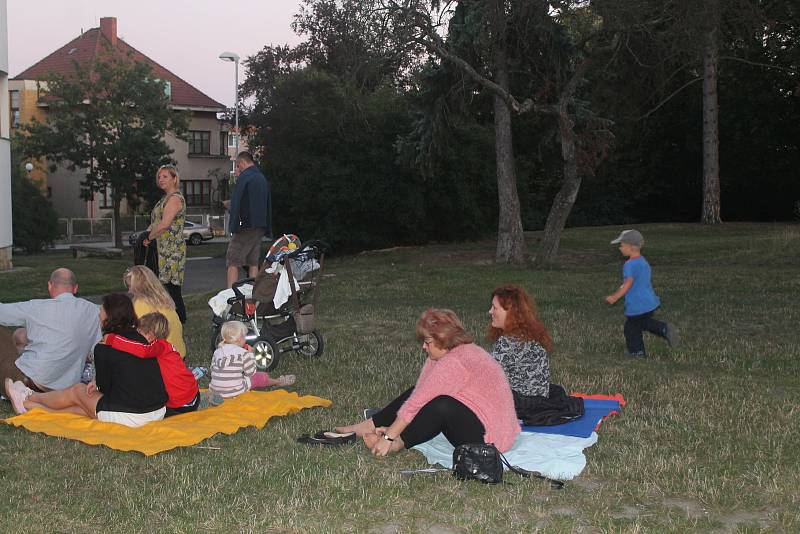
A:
470,375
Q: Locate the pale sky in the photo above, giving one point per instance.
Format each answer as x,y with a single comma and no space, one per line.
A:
185,36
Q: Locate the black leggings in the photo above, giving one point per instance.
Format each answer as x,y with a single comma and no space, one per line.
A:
175,292
443,414
186,408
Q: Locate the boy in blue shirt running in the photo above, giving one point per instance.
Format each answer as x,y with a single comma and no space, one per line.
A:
640,299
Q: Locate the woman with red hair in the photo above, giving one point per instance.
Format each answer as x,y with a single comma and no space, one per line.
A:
461,392
521,343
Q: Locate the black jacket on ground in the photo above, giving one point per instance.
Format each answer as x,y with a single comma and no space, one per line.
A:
555,409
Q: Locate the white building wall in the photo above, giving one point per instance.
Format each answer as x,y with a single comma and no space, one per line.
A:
6,234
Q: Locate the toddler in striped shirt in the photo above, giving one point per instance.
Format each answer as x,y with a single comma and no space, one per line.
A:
233,366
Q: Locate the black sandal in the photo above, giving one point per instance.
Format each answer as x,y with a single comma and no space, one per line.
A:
325,437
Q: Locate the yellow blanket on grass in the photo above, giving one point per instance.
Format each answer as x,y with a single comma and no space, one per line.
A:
253,408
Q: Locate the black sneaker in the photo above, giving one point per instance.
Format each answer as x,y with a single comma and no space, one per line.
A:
640,354
672,336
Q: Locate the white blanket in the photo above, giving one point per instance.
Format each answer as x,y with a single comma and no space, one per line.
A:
284,290
552,455
219,302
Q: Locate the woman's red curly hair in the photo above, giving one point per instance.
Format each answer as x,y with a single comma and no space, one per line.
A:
522,320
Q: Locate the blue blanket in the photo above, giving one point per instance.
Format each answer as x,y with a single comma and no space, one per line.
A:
594,412
554,451
554,456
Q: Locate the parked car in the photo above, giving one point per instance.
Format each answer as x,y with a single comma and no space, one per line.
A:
193,233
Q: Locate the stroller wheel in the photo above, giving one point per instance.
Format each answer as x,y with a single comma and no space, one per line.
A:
310,344
267,354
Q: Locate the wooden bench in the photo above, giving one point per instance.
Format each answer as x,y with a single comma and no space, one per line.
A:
86,251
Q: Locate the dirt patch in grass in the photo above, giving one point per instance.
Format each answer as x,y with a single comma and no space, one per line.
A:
627,512
732,521
692,509
565,511
586,484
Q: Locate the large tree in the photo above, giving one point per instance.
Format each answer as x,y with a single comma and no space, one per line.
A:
531,56
109,118
684,43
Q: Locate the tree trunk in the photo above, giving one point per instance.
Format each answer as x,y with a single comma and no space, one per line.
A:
565,198
510,239
115,204
711,193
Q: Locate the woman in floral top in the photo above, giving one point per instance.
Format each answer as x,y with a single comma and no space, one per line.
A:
166,229
521,343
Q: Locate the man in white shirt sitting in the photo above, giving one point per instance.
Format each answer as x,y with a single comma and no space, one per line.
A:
57,334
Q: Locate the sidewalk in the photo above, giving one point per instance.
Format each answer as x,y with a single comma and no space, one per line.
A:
109,244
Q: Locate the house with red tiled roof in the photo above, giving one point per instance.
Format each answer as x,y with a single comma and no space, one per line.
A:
201,161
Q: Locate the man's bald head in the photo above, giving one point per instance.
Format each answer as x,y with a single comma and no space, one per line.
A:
62,280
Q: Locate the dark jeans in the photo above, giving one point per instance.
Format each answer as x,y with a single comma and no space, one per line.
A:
180,308
443,414
186,408
635,325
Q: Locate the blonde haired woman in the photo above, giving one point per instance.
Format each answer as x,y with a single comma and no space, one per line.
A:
166,229
148,296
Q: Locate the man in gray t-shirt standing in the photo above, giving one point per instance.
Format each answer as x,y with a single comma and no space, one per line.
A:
57,334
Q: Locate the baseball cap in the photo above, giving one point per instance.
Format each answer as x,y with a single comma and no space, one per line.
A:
631,237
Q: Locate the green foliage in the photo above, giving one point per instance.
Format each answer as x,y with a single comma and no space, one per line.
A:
108,119
333,166
370,144
331,163
34,221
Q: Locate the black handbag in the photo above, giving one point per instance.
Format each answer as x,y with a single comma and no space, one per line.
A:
146,255
478,461
483,462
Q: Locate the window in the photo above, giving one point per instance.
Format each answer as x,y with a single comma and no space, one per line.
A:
14,108
196,192
232,141
104,202
223,143
199,142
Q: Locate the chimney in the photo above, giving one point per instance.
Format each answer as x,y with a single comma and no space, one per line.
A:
108,27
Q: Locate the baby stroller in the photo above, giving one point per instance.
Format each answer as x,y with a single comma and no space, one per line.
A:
289,326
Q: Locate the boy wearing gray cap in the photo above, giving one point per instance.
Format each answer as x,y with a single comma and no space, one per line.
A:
640,299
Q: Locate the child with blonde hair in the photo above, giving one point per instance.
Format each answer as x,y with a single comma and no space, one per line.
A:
233,366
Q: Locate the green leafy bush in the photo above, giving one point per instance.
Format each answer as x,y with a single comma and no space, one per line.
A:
35,223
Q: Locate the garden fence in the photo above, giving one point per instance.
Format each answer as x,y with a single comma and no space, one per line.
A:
81,230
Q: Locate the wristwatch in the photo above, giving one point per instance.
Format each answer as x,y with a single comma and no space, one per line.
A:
387,438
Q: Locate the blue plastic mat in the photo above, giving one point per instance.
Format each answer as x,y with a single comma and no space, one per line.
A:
594,411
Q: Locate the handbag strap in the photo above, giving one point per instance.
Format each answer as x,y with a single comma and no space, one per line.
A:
554,484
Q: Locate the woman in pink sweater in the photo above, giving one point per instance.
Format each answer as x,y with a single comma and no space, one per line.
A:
461,392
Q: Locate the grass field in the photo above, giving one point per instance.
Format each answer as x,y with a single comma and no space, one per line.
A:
708,441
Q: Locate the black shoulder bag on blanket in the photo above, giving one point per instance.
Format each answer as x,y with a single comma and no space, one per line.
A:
483,462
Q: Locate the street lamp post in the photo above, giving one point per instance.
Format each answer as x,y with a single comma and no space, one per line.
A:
233,56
